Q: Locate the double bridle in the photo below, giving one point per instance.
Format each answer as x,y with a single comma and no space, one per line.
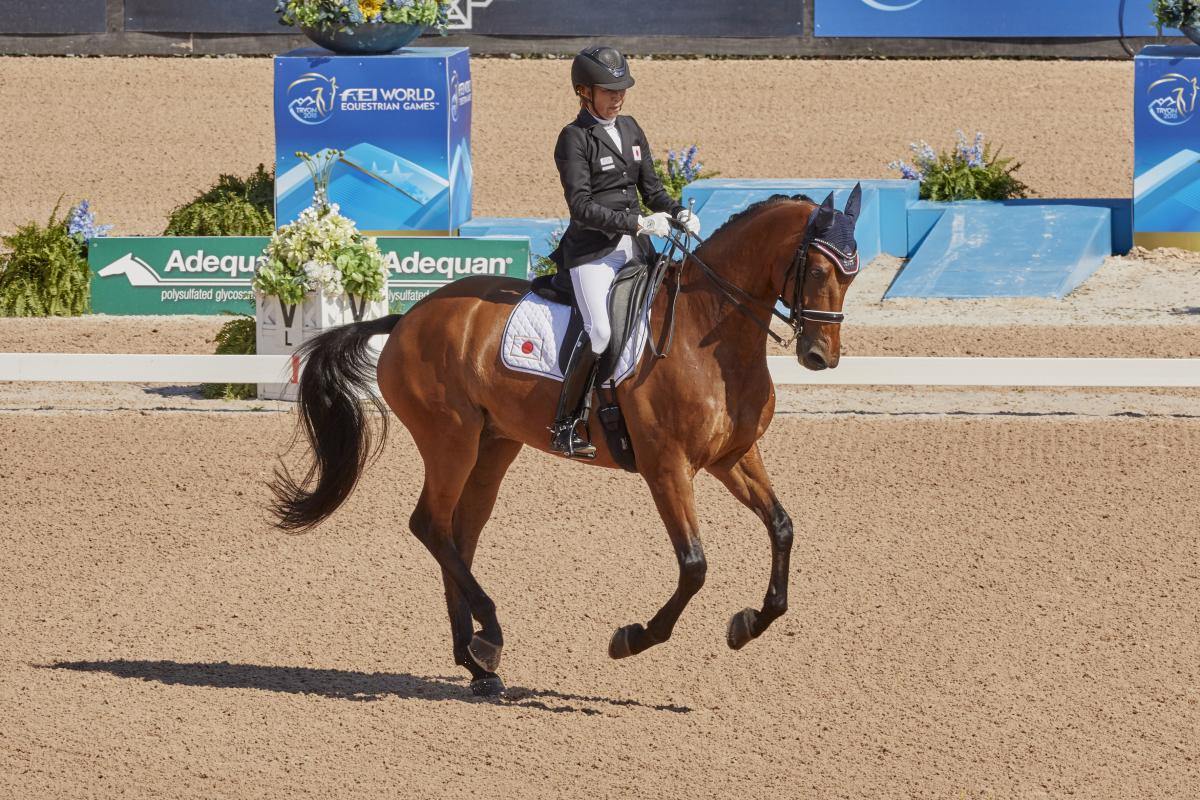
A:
797,273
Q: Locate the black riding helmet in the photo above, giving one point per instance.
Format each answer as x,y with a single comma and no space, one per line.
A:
601,66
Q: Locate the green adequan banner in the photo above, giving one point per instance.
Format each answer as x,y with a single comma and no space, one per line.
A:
212,274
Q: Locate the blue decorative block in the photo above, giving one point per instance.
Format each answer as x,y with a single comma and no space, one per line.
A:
883,218
982,249
539,232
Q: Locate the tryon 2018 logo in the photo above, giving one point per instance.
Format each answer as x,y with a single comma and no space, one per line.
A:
891,5
460,94
312,97
1173,98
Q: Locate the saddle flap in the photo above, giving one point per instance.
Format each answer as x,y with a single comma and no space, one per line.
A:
626,303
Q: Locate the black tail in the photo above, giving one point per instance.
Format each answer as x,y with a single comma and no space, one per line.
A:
338,369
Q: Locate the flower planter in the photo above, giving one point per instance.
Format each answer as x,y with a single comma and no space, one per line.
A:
366,38
1191,33
280,329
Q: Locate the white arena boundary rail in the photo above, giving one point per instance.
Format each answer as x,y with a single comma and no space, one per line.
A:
863,371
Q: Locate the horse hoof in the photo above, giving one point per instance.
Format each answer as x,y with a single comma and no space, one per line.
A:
491,686
484,653
619,646
741,628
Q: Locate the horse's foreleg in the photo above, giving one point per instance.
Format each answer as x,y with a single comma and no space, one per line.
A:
747,479
474,509
676,505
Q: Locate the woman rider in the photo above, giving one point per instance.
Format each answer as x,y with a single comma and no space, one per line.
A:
603,161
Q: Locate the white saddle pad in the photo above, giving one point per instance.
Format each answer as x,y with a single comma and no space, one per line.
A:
533,338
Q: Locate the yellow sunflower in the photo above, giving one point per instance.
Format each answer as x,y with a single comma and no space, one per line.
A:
370,8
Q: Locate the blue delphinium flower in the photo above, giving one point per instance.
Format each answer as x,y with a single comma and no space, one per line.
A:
683,165
81,223
907,171
972,154
923,155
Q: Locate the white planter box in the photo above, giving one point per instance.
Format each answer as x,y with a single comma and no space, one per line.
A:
279,330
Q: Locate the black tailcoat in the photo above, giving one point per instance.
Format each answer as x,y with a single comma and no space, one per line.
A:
601,184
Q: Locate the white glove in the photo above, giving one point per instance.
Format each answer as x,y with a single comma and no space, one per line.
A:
690,220
655,225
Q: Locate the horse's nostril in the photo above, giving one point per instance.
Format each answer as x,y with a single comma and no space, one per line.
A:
815,360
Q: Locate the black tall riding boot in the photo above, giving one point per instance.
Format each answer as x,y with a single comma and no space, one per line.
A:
577,383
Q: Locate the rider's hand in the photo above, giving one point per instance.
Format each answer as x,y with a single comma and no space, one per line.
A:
655,225
690,220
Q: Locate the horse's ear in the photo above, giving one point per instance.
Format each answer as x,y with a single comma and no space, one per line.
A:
828,202
854,204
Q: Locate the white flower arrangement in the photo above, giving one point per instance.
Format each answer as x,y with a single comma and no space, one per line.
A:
322,251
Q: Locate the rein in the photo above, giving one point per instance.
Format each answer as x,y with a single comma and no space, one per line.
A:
743,302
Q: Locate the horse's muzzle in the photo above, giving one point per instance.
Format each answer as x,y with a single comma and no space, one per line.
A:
816,355
814,361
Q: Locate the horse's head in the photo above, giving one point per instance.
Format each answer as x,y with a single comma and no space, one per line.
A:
815,287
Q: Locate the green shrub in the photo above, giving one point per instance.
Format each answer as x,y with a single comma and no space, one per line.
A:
542,265
969,172
232,207
45,271
236,337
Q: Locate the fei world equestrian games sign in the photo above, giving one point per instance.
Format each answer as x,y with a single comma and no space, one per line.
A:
211,275
982,18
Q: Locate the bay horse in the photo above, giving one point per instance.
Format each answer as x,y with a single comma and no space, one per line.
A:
703,407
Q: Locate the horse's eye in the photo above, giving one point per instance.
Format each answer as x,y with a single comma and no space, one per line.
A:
817,272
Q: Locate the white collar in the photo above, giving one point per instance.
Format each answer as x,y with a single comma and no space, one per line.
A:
608,123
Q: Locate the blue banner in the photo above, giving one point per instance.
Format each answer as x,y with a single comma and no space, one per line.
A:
404,123
983,18
1166,169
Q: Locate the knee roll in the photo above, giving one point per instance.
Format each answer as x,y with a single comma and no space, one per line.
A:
600,332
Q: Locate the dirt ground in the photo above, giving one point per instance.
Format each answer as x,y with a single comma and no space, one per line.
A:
994,608
994,592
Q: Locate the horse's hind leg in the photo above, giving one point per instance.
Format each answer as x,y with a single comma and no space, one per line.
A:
448,465
672,493
747,479
473,511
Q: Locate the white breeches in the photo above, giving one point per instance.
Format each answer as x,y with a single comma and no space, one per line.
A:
592,281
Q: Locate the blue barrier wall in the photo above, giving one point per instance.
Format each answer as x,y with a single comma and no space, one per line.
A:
983,18
883,227
923,216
